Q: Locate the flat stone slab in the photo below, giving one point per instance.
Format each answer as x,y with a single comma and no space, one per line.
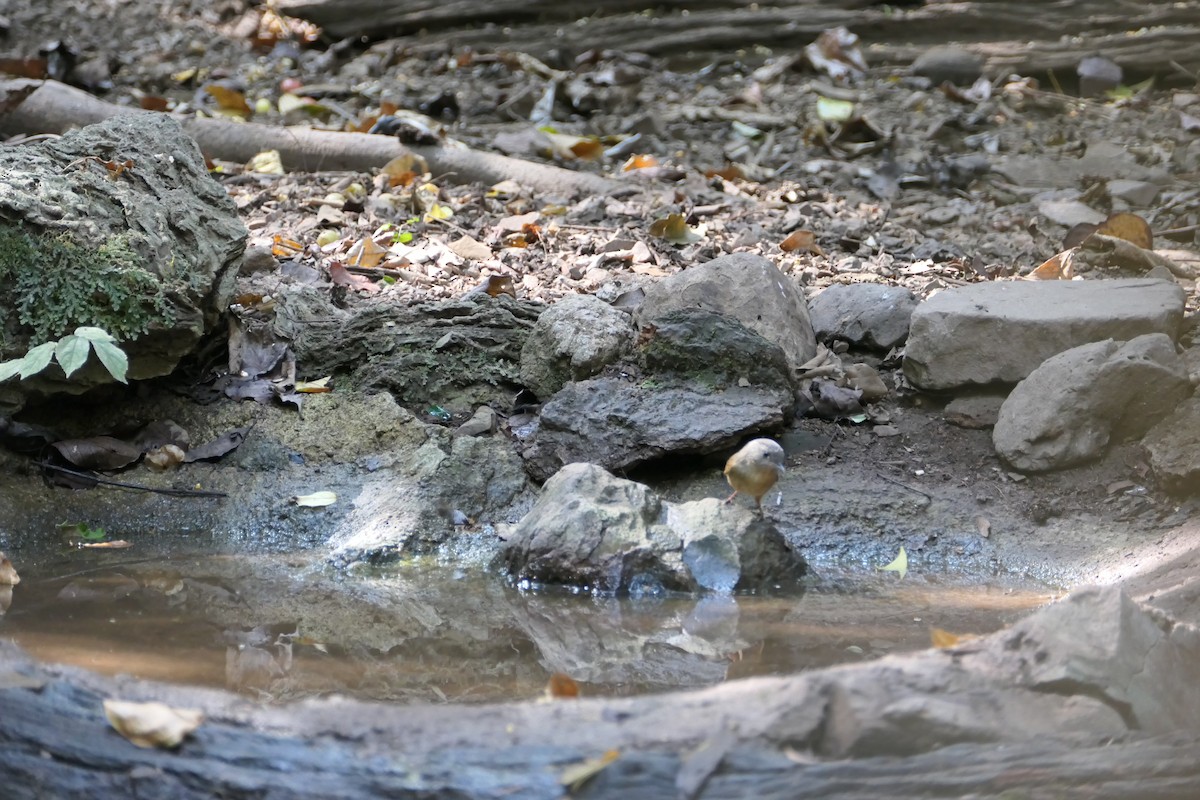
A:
998,333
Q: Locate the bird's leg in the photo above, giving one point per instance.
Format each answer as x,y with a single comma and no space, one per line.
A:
729,499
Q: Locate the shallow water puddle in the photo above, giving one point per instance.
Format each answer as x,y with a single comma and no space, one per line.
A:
281,629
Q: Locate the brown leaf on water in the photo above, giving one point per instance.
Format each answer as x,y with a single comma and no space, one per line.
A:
1059,268
152,724
562,686
1130,227
944,639
98,452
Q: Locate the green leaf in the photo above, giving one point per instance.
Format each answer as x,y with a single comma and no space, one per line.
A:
899,564
113,358
9,368
36,359
72,353
94,334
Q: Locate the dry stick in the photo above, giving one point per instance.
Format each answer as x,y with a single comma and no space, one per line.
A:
55,107
137,487
926,495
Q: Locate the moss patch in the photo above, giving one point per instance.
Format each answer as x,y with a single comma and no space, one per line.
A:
50,284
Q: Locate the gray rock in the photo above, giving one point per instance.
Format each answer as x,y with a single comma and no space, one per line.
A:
1069,212
1139,194
1069,408
864,378
1101,643
708,382
974,411
748,288
481,422
865,314
717,350
573,340
619,424
153,251
457,354
591,529
997,333
1173,447
1097,75
954,64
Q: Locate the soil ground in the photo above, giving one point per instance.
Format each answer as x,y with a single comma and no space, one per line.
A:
900,200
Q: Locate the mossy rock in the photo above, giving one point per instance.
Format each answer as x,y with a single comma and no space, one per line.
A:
149,252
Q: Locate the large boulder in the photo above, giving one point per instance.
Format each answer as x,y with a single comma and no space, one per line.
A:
703,383
592,530
573,340
999,332
1069,408
748,288
116,225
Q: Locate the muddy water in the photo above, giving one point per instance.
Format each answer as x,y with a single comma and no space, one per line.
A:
281,628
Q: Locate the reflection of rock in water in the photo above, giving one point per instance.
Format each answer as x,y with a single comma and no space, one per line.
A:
640,645
713,562
255,659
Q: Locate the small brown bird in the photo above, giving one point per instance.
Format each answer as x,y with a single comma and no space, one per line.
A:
754,469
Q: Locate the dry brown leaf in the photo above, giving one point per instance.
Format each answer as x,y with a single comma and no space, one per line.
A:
674,228
470,248
1061,267
152,724
730,172
366,253
344,277
944,639
404,169
115,544
165,457
283,247
639,162
805,241
495,285
1130,227
230,101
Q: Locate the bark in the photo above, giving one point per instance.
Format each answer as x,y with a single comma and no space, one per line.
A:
56,107
1142,37
55,742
